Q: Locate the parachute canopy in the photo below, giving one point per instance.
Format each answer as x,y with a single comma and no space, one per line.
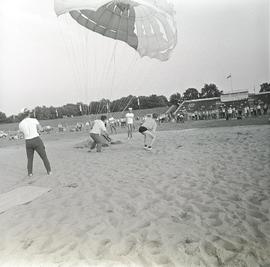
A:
148,26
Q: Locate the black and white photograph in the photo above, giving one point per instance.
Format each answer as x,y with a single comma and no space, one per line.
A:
135,133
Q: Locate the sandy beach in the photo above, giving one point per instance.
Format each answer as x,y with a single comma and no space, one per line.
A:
201,197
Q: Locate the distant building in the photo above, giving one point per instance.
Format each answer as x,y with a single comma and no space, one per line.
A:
236,99
234,96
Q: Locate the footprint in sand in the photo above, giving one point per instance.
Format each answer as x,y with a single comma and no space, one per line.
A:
154,247
211,251
257,198
215,221
258,215
126,247
254,229
69,249
27,243
227,245
191,246
103,247
54,249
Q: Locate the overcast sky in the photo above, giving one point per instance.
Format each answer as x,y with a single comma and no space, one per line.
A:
215,39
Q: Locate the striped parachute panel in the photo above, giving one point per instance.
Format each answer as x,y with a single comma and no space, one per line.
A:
147,26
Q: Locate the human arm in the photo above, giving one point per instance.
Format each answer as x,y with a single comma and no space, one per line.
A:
39,127
103,129
154,127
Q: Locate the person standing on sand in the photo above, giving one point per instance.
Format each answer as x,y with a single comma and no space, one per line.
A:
97,131
130,121
148,129
30,127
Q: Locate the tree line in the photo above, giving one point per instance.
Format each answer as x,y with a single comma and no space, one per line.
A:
120,105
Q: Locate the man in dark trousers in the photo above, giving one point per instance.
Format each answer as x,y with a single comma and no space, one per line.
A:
30,127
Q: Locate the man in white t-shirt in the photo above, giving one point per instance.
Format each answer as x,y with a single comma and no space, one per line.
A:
30,127
130,121
96,133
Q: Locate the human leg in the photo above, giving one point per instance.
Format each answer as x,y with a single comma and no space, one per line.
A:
93,145
152,137
144,139
30,156
97,142
129,130
40,148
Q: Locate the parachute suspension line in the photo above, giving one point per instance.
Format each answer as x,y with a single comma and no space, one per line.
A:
70,52
85,64
77,57
124,82
128,104
104,76
113,68
107,71
114,51
94,73
87,71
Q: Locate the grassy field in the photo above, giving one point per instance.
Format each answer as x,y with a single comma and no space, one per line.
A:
69,122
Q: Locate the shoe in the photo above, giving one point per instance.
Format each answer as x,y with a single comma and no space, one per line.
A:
30,174
49,173
149,148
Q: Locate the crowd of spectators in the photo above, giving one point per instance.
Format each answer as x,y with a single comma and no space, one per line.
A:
228,111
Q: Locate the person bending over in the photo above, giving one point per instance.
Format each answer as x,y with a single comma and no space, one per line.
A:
96,133
148,130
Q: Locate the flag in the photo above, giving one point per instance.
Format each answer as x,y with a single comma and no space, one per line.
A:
138,101
56,112
229,76
80,108
108,107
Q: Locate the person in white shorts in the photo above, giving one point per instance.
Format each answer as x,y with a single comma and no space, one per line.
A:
130,122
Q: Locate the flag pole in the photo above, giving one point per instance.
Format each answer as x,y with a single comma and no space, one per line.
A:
230,77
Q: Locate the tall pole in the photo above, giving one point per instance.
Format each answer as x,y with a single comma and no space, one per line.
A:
230,77
139,105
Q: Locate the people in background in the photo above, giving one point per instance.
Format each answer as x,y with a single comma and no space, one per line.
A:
130,122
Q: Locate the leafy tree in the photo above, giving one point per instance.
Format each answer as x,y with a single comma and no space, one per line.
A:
12,119
3,117
175,99
210,90
163,101
191,93
94,107
265,87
